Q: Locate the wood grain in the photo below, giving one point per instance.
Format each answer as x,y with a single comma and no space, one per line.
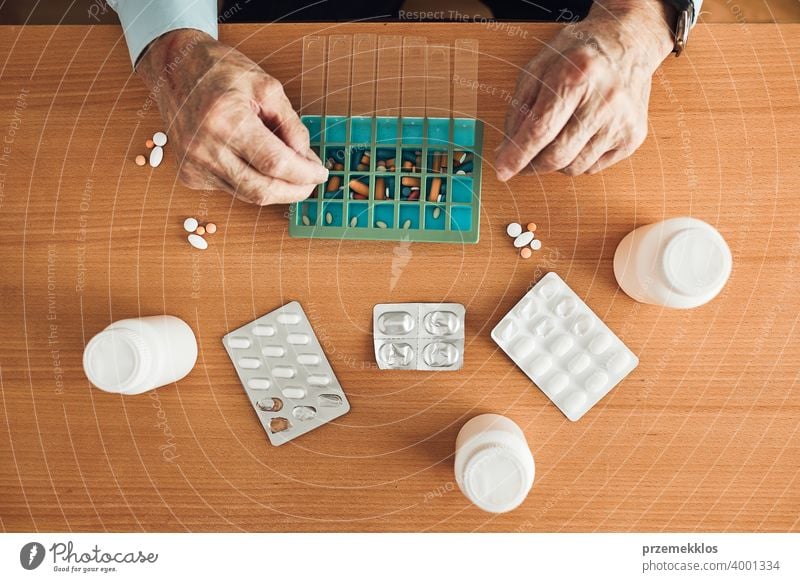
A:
703,435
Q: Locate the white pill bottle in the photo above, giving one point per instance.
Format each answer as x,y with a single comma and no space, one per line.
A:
494,466
132,356
679,263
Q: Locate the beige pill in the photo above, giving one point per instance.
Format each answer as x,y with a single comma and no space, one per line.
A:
328,218
354,221
531,226
381,224
306,220
200,230
407,224
437,212
140,160
211,228
525,253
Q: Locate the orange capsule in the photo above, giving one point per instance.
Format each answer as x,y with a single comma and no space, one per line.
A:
380,189
359,188
531,227
149,144
436,186
211,228
200,230
525,252
409,181
140,160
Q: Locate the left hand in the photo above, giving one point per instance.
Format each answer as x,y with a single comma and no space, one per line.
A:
581,103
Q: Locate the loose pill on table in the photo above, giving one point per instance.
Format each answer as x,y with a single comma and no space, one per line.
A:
201,230
523,240
190,224
160,138
140,160
156,156
198,242
536,244
149,144
514,229
211,228
525,253
531,227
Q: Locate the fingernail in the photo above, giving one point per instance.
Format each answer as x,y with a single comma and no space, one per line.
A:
504,174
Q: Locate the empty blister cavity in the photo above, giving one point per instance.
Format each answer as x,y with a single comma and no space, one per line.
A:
442,323
329,400
564,348
259,384
269,404
440,354
239,343
285,364
396,323
303,413
396,355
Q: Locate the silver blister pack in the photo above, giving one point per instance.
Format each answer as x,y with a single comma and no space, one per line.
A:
561,344
419,336
285,373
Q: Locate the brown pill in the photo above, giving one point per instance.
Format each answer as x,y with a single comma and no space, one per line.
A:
380,189
531,227
279,424
140,160
211,228
149,144
338,166
525,253
408,165
390,162
200,230
359,187
333,184
436,186
409,181
362,167
365,159
436,162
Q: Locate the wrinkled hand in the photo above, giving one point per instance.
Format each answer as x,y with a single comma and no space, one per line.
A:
231,124
581,104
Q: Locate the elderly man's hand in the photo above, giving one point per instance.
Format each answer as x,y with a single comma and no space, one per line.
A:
581,103
230,123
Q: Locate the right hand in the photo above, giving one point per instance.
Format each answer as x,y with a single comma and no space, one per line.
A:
231,124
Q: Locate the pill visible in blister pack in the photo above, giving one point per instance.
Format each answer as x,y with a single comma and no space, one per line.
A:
419,336
285,373
561,344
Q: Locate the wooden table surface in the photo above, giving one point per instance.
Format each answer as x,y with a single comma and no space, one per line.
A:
702,436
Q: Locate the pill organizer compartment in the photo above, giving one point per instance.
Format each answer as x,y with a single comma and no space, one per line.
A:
419,336
436,199
285,373
561,344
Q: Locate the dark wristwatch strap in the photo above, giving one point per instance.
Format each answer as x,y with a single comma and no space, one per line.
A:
685,18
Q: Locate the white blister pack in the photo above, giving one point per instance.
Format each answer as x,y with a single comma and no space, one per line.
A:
560,344
419,336
285,373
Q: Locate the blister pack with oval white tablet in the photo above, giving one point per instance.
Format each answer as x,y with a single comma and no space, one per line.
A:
419,336
560,344
285,373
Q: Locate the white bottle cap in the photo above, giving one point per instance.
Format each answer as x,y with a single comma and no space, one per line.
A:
497,478
697,262
117,360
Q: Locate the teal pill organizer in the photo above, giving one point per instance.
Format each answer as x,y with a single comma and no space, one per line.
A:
394,178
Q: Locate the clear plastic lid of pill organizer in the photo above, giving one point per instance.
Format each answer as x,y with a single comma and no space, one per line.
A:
399,135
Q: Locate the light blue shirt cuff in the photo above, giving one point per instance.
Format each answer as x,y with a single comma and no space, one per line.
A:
145,20
698,4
